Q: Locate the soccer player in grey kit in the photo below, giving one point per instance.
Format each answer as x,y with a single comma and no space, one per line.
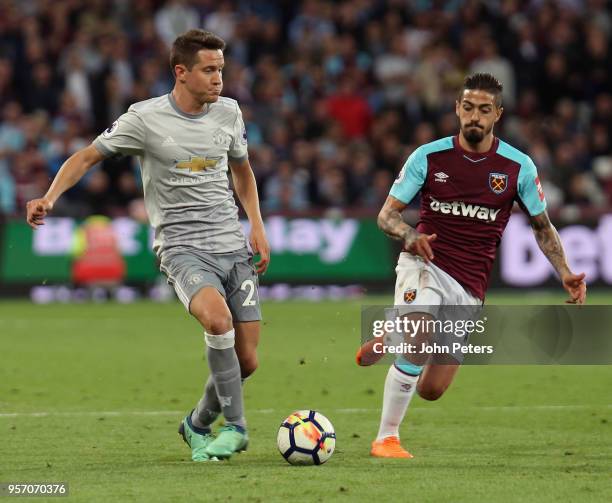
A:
185,142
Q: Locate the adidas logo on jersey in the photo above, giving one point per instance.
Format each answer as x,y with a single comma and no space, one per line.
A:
441,176
168,142
461,209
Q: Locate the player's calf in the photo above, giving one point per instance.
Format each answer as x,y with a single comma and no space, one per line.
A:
435,380
248,365
247,338
430,393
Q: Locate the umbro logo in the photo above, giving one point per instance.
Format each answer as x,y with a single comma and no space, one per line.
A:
441,176
168,142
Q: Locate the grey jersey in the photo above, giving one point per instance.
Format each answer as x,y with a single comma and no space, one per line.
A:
184,165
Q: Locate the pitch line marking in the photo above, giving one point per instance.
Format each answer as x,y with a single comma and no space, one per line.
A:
121,413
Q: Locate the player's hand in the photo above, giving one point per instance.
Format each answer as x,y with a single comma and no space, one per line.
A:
421,246
37,210
575,286
259,244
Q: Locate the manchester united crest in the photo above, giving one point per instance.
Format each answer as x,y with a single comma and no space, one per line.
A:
410,295
498,182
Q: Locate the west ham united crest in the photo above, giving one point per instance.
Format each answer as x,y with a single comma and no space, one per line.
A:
410,295
498,182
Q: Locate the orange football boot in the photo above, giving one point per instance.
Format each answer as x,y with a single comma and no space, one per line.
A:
389,447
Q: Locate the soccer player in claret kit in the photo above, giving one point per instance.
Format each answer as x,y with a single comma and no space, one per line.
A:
185,141
468,185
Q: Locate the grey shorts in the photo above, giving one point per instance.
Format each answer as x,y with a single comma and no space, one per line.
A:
232,274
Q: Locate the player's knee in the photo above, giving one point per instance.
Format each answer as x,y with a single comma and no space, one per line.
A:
218,324
214,321
430,392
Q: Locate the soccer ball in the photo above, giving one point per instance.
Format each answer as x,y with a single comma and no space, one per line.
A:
306,437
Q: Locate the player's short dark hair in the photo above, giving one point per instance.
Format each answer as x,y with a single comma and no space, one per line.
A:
186,46
484,82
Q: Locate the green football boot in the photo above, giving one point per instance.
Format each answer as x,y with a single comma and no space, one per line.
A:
231,439
196,438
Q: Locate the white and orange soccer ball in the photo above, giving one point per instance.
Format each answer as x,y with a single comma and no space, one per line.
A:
306,437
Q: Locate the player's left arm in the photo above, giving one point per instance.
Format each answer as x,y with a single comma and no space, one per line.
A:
532,201
550,243
246,190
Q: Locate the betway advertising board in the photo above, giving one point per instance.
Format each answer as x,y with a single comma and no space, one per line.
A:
308,250
588,249
303,250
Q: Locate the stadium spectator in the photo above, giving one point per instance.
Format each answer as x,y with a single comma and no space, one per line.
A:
286,189
350,109
174,18
334,95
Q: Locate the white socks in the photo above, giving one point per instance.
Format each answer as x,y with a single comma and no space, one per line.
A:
399,389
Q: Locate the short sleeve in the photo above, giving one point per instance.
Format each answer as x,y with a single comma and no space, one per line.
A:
125,136
238,150
530,190
411,178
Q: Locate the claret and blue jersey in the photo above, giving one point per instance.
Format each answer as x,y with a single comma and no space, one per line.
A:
467,199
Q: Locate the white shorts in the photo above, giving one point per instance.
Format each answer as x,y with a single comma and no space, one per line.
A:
434,292
421,284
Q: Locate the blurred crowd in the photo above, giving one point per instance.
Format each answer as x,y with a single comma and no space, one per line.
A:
335,95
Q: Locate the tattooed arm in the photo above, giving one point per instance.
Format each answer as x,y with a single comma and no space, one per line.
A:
549,242
391,223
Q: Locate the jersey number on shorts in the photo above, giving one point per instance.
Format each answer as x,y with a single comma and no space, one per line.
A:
248,284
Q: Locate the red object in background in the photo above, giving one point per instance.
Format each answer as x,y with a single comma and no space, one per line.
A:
351,110
539,186
101,261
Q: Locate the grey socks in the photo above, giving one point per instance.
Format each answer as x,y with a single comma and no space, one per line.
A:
208,408
225,377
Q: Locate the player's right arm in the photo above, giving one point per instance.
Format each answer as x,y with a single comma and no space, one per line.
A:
70,173
391,223
407,184
125,136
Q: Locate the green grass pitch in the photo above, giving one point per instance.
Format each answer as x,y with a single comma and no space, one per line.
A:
92,395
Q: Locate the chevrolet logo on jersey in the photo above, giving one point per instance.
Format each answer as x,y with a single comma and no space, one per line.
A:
461,209
196,164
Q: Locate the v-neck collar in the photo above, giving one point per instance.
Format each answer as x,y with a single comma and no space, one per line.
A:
475,156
